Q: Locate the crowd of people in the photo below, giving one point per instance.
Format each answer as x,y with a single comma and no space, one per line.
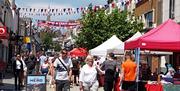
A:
89,73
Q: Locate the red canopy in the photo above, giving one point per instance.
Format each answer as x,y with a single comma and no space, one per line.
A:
165,37
80,52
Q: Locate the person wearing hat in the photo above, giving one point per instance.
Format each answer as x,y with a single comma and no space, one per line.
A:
128,73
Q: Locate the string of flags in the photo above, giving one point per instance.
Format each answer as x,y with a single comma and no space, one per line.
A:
24,11
57,23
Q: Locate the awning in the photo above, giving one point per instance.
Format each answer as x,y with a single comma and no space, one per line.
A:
165,37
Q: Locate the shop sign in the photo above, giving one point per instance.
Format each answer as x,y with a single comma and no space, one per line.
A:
36,83
3,33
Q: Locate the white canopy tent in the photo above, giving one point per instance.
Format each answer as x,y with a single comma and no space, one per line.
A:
135,36
113,43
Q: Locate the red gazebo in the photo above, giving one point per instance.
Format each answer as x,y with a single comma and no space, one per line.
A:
165,37
78,52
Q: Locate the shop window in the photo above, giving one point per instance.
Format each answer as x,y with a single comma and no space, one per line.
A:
171,8
149,19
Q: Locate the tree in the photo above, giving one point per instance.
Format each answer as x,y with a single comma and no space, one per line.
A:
99,26
46,38
57,46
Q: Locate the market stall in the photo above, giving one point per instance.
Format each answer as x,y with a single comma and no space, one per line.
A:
78,52
113,43
165,37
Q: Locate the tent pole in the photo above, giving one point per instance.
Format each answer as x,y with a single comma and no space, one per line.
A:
137,56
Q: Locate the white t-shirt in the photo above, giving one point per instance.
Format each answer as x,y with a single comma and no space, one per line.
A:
45,65
18,64
61,72
88,75
50,59
24,65
42,59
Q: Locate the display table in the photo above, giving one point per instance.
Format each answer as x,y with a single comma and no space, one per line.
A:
154,87
159,87
171,87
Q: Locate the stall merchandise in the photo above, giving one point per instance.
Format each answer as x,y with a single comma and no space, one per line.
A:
165,37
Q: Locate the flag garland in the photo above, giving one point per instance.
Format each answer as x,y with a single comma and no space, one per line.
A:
121,4
57,23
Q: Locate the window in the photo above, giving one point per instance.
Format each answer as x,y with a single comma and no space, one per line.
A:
171,8
149,19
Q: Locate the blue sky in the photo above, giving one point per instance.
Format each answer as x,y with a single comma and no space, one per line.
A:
58,4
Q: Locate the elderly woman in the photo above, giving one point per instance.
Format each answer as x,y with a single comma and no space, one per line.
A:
88,76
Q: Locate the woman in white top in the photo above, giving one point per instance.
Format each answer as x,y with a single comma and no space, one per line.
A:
88,76
45,67
18,70
52,72
24,73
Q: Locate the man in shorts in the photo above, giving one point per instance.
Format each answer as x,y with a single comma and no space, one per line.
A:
129,73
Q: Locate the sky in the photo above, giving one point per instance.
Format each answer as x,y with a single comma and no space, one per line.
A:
58,4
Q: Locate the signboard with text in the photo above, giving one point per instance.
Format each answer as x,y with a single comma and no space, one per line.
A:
36,83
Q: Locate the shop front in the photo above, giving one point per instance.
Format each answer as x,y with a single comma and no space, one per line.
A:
3,50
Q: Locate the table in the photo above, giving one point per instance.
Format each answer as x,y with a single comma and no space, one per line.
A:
171,87
164,87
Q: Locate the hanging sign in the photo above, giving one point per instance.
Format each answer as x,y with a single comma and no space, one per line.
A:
3,33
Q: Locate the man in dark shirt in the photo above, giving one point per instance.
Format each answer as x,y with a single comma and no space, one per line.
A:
110,67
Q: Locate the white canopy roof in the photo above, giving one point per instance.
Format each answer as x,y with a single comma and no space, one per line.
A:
113,43
135,36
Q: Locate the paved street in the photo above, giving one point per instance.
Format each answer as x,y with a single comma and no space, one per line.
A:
8,85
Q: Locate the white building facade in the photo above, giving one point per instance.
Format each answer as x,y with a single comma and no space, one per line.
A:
171,9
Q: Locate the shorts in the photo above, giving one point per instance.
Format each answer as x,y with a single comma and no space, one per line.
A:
129,85
75,72
44,71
